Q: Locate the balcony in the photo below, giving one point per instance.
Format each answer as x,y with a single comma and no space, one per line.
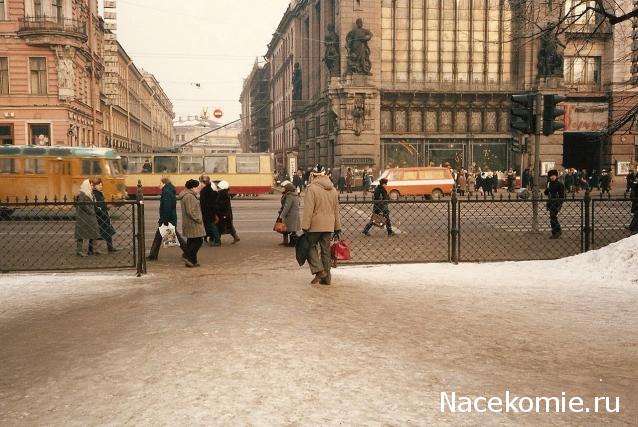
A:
51,27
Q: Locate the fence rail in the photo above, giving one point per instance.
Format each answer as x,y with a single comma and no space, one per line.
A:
41,236
482,229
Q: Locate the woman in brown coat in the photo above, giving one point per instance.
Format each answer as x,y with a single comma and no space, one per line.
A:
192,222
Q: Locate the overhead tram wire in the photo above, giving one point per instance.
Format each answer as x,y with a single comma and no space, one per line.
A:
179,147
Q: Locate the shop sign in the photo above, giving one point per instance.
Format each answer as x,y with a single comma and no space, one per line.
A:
586,116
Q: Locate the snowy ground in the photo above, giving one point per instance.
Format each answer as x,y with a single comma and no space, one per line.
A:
256,345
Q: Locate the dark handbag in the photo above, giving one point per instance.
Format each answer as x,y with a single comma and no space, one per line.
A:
378,220
280,226
339,250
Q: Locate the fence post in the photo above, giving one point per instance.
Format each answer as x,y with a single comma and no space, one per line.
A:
588,224
454,232
141,244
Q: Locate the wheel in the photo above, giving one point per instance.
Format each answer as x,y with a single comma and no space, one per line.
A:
394,195
437,194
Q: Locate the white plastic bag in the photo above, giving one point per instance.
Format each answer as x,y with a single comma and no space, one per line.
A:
169,236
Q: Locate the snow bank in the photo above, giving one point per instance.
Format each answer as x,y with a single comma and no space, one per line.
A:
614,265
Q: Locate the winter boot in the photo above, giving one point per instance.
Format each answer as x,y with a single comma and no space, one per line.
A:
78,250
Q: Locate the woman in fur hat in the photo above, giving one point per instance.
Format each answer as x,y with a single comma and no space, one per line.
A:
86,226
289,213
225,211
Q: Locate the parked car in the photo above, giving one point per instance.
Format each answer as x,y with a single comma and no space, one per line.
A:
434,182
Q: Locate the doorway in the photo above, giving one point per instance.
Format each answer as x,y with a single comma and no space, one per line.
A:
582,150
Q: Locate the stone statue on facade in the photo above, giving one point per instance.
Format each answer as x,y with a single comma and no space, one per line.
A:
332,57
66,72
296,82
358,50
550,60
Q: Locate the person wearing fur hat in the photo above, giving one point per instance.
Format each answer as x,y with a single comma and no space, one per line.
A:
289,213
86,226
192,222
208,202
605,182
555,192
321,220
225,212
167,215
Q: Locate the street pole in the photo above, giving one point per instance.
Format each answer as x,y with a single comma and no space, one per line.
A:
537,162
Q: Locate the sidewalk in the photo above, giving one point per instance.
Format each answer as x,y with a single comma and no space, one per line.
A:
252,343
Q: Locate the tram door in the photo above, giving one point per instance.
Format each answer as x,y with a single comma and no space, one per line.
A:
60,182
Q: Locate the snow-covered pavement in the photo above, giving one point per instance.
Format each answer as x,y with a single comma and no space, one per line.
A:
254,344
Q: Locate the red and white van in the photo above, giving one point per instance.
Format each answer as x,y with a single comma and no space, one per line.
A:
421,181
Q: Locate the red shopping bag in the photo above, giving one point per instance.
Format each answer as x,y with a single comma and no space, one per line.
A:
339,250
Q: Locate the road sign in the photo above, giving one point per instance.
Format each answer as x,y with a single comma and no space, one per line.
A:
218,113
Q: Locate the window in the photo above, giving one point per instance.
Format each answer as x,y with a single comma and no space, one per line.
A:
38,67
57,10
4,73
581,16
6,134
216,164
91,167
40,134
7,166
247,164
409,175
34,166
115,167
582,70
3,13
190,164
165,164
37,8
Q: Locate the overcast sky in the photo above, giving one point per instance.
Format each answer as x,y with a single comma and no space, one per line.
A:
211,42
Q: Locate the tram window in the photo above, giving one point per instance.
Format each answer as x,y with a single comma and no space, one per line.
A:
165,164
7,166
247,164
34,166
115,168
137,164
216,164
91,167
190,164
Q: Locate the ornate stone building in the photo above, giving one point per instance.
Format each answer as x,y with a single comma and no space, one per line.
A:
422,82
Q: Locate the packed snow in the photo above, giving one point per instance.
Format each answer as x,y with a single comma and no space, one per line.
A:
615,265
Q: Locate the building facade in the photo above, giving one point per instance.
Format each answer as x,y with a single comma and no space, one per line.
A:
255,115
438,83
193,136
50,72
51,82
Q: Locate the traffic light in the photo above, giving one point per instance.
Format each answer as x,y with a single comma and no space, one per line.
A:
552,114
522,116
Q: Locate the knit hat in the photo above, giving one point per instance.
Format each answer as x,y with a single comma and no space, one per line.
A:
553,172
192,183
223,185
319,169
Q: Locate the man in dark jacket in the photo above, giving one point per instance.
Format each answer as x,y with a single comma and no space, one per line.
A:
555,193
525,178
605,182
380,207
631,176
225,211
208,202
168,215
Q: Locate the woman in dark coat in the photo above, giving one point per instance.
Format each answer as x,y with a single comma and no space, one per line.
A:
289,213
380,207
103,218
225,212
86,227
208,202
167,215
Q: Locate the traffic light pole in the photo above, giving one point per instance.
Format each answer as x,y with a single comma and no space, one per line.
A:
537,161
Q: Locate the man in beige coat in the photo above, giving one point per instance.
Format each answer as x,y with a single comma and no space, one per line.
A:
192,222
320,220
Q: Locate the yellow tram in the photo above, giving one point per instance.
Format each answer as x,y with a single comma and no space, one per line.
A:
28,171
246,173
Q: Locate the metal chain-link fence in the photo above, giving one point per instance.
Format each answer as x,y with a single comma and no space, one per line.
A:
62,235
482,229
